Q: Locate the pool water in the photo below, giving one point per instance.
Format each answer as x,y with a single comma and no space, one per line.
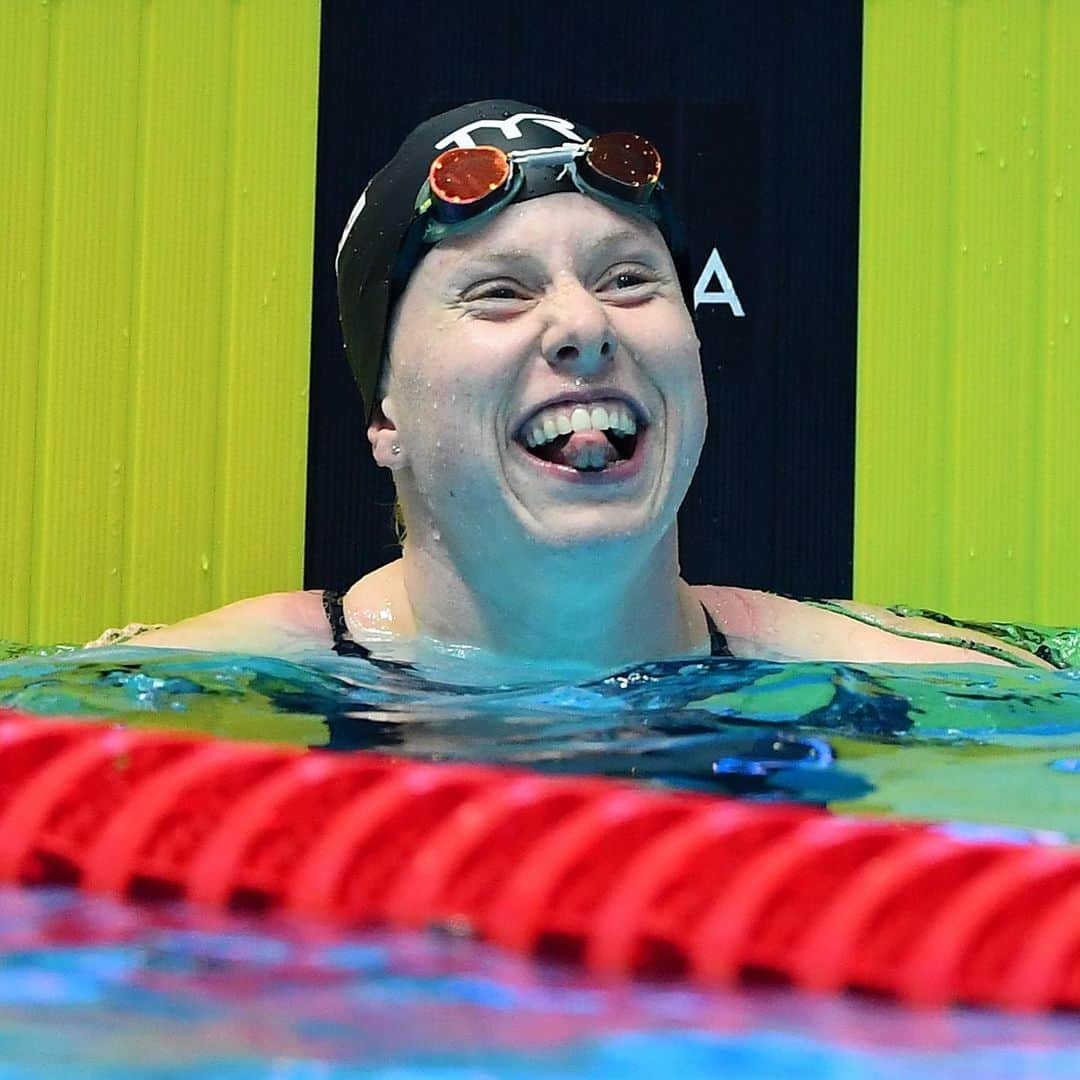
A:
121,991
97,989
979,745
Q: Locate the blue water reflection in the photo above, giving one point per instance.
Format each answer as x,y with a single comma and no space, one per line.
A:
972,743
95,989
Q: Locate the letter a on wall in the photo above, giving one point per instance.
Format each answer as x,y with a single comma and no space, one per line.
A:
714,268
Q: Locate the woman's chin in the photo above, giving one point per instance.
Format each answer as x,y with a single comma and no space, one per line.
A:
566,528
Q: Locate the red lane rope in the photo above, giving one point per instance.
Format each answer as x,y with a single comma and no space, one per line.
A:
624,880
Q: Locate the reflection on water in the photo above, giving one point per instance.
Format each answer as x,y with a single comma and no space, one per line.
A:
95,989
971,743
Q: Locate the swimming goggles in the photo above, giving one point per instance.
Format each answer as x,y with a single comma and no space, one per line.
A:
465,184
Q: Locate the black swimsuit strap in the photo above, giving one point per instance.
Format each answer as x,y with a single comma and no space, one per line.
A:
335,616
717,642
345,646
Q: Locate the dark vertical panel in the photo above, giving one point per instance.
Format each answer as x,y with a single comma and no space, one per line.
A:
756,109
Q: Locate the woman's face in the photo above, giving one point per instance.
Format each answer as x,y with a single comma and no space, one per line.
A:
557,314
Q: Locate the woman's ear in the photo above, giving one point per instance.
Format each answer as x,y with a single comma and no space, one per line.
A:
383,435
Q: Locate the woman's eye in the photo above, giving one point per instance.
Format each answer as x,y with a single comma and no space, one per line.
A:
626,279
502,290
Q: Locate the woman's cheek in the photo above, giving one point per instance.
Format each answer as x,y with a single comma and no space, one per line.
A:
448,442
665,334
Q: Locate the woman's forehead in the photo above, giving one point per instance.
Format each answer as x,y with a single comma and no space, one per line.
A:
549,226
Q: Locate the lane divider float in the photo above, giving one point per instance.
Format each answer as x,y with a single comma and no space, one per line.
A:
624,881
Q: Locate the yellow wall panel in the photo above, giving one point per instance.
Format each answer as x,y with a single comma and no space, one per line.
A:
264,405
82,412
179,348
159,163
904,388
24,101
1058,519
967,411
997,361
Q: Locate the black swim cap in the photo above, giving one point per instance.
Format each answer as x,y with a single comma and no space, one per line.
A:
375,260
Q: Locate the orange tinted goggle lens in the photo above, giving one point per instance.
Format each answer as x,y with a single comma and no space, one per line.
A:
467,175
625,158
471,178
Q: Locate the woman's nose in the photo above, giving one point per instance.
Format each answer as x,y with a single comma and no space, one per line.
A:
579,339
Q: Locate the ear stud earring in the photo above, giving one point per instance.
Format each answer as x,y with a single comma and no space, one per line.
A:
395,448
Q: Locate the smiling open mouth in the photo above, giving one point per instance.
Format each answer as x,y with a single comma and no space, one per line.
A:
589,437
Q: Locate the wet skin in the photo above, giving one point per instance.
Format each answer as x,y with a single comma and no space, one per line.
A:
555,300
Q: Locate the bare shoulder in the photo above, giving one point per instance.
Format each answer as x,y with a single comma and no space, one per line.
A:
378,604
761,625
270,624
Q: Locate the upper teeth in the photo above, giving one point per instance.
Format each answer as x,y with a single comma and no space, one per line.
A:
556,420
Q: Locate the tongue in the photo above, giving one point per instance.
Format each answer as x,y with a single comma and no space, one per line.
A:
586,450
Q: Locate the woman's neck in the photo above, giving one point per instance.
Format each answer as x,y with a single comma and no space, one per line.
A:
598,609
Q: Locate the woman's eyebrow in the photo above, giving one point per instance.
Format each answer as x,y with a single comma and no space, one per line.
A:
496,261
623,236
493,260
625,244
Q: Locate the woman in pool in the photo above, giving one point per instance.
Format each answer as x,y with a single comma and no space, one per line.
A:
512,300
